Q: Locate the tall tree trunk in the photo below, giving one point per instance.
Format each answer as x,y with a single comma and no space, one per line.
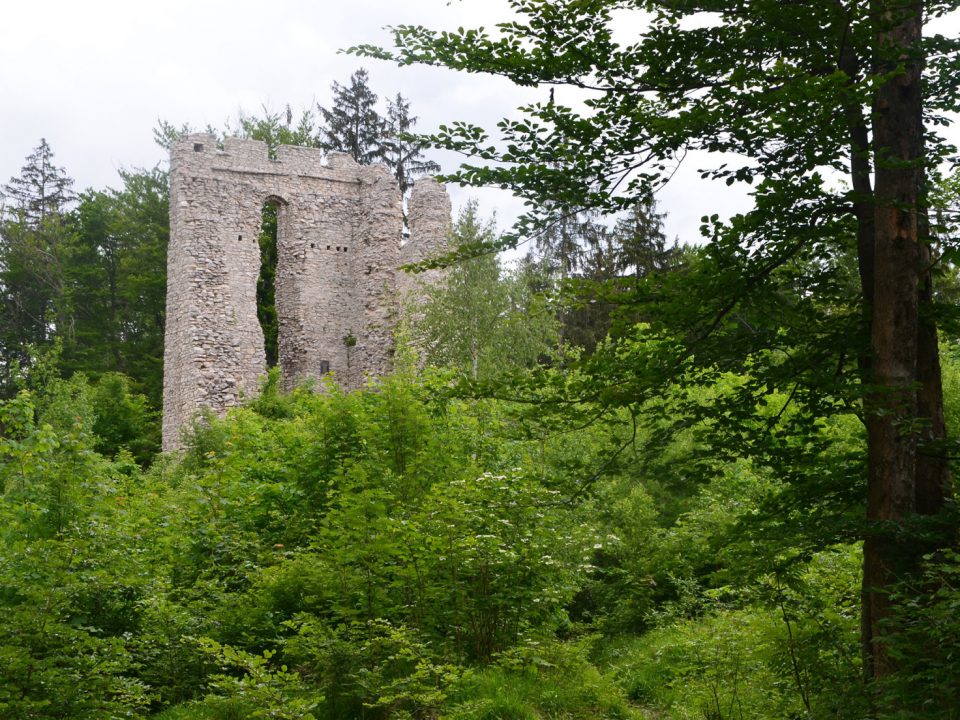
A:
863,207
894,403
862,197
933,484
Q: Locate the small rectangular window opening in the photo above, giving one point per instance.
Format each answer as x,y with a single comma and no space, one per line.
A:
324,367
313,245
198,147
239,237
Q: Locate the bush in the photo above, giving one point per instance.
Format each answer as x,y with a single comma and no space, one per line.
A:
535,680
926,644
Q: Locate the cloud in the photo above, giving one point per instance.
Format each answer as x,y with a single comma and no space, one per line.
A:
94,78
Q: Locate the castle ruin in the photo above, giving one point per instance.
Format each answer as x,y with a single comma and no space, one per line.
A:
339,234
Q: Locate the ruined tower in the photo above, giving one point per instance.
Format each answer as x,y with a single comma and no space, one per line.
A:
338,252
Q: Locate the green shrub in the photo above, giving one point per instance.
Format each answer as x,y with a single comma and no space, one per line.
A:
925,644
372,669
545,679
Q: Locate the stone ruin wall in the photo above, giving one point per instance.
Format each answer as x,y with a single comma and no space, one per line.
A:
337,281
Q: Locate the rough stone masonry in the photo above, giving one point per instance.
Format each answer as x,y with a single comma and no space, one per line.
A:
339,232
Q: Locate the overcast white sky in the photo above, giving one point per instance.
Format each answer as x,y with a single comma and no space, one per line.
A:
94,77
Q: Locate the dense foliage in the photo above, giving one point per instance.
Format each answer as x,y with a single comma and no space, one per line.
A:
400,552
824,290
87,273
619,480
480,318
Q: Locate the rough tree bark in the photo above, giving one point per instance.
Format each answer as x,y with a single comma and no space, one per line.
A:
905,405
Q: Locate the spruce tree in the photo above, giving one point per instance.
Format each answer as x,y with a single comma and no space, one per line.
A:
642,246
34,238
41,191
353,125
403,153
595,264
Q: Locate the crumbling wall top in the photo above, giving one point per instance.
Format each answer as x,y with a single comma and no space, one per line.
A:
429,218
200,153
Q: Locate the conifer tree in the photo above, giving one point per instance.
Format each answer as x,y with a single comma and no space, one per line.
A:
402,152
33,240
353,125
115,276
642,246
595,263
41,191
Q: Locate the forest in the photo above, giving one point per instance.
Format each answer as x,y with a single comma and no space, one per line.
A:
617,476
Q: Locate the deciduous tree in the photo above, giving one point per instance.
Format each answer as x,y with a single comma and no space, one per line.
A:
788,96
115,276
480,320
